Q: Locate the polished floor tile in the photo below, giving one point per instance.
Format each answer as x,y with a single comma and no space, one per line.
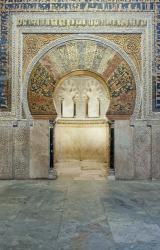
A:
69,214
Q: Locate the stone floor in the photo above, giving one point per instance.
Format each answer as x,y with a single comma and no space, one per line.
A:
72,215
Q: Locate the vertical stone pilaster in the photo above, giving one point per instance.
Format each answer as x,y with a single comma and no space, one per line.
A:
21,152
155,151
6,146
124,168
39,149
142,150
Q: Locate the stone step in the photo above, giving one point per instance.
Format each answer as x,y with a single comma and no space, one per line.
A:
93,172
78,171
96,170
83,178
93,167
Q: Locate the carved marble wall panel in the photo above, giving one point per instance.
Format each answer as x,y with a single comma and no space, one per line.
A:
124,161
39,149
21,152
142,150
6,147
155,151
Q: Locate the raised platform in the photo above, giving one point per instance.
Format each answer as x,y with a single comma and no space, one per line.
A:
82,169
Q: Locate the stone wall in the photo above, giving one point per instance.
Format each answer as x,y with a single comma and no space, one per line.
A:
85,141
6,152
127,28
155,150
142,150
24,150
14,150
39,149
137,152
124,165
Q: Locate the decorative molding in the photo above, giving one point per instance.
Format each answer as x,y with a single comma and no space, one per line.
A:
79,6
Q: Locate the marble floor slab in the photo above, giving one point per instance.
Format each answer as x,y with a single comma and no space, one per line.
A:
69,214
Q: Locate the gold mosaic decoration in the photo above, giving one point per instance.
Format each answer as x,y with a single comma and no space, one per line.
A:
40,92
32,43
130,43
92,56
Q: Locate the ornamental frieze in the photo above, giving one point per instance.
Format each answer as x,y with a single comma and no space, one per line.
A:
130,43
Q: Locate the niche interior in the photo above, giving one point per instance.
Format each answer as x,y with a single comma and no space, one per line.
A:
81,100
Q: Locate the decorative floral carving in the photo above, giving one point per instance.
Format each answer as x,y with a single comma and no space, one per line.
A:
41,87
116,73
132,46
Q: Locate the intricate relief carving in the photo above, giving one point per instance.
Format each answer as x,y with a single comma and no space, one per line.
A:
32,43
21,153
18,45
98,99
130,43
142,151
80,97
41,87
122,85
6,140
67,57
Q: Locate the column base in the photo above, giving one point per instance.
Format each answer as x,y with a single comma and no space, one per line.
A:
52,174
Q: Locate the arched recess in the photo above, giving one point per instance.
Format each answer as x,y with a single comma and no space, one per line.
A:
82,52
83,94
